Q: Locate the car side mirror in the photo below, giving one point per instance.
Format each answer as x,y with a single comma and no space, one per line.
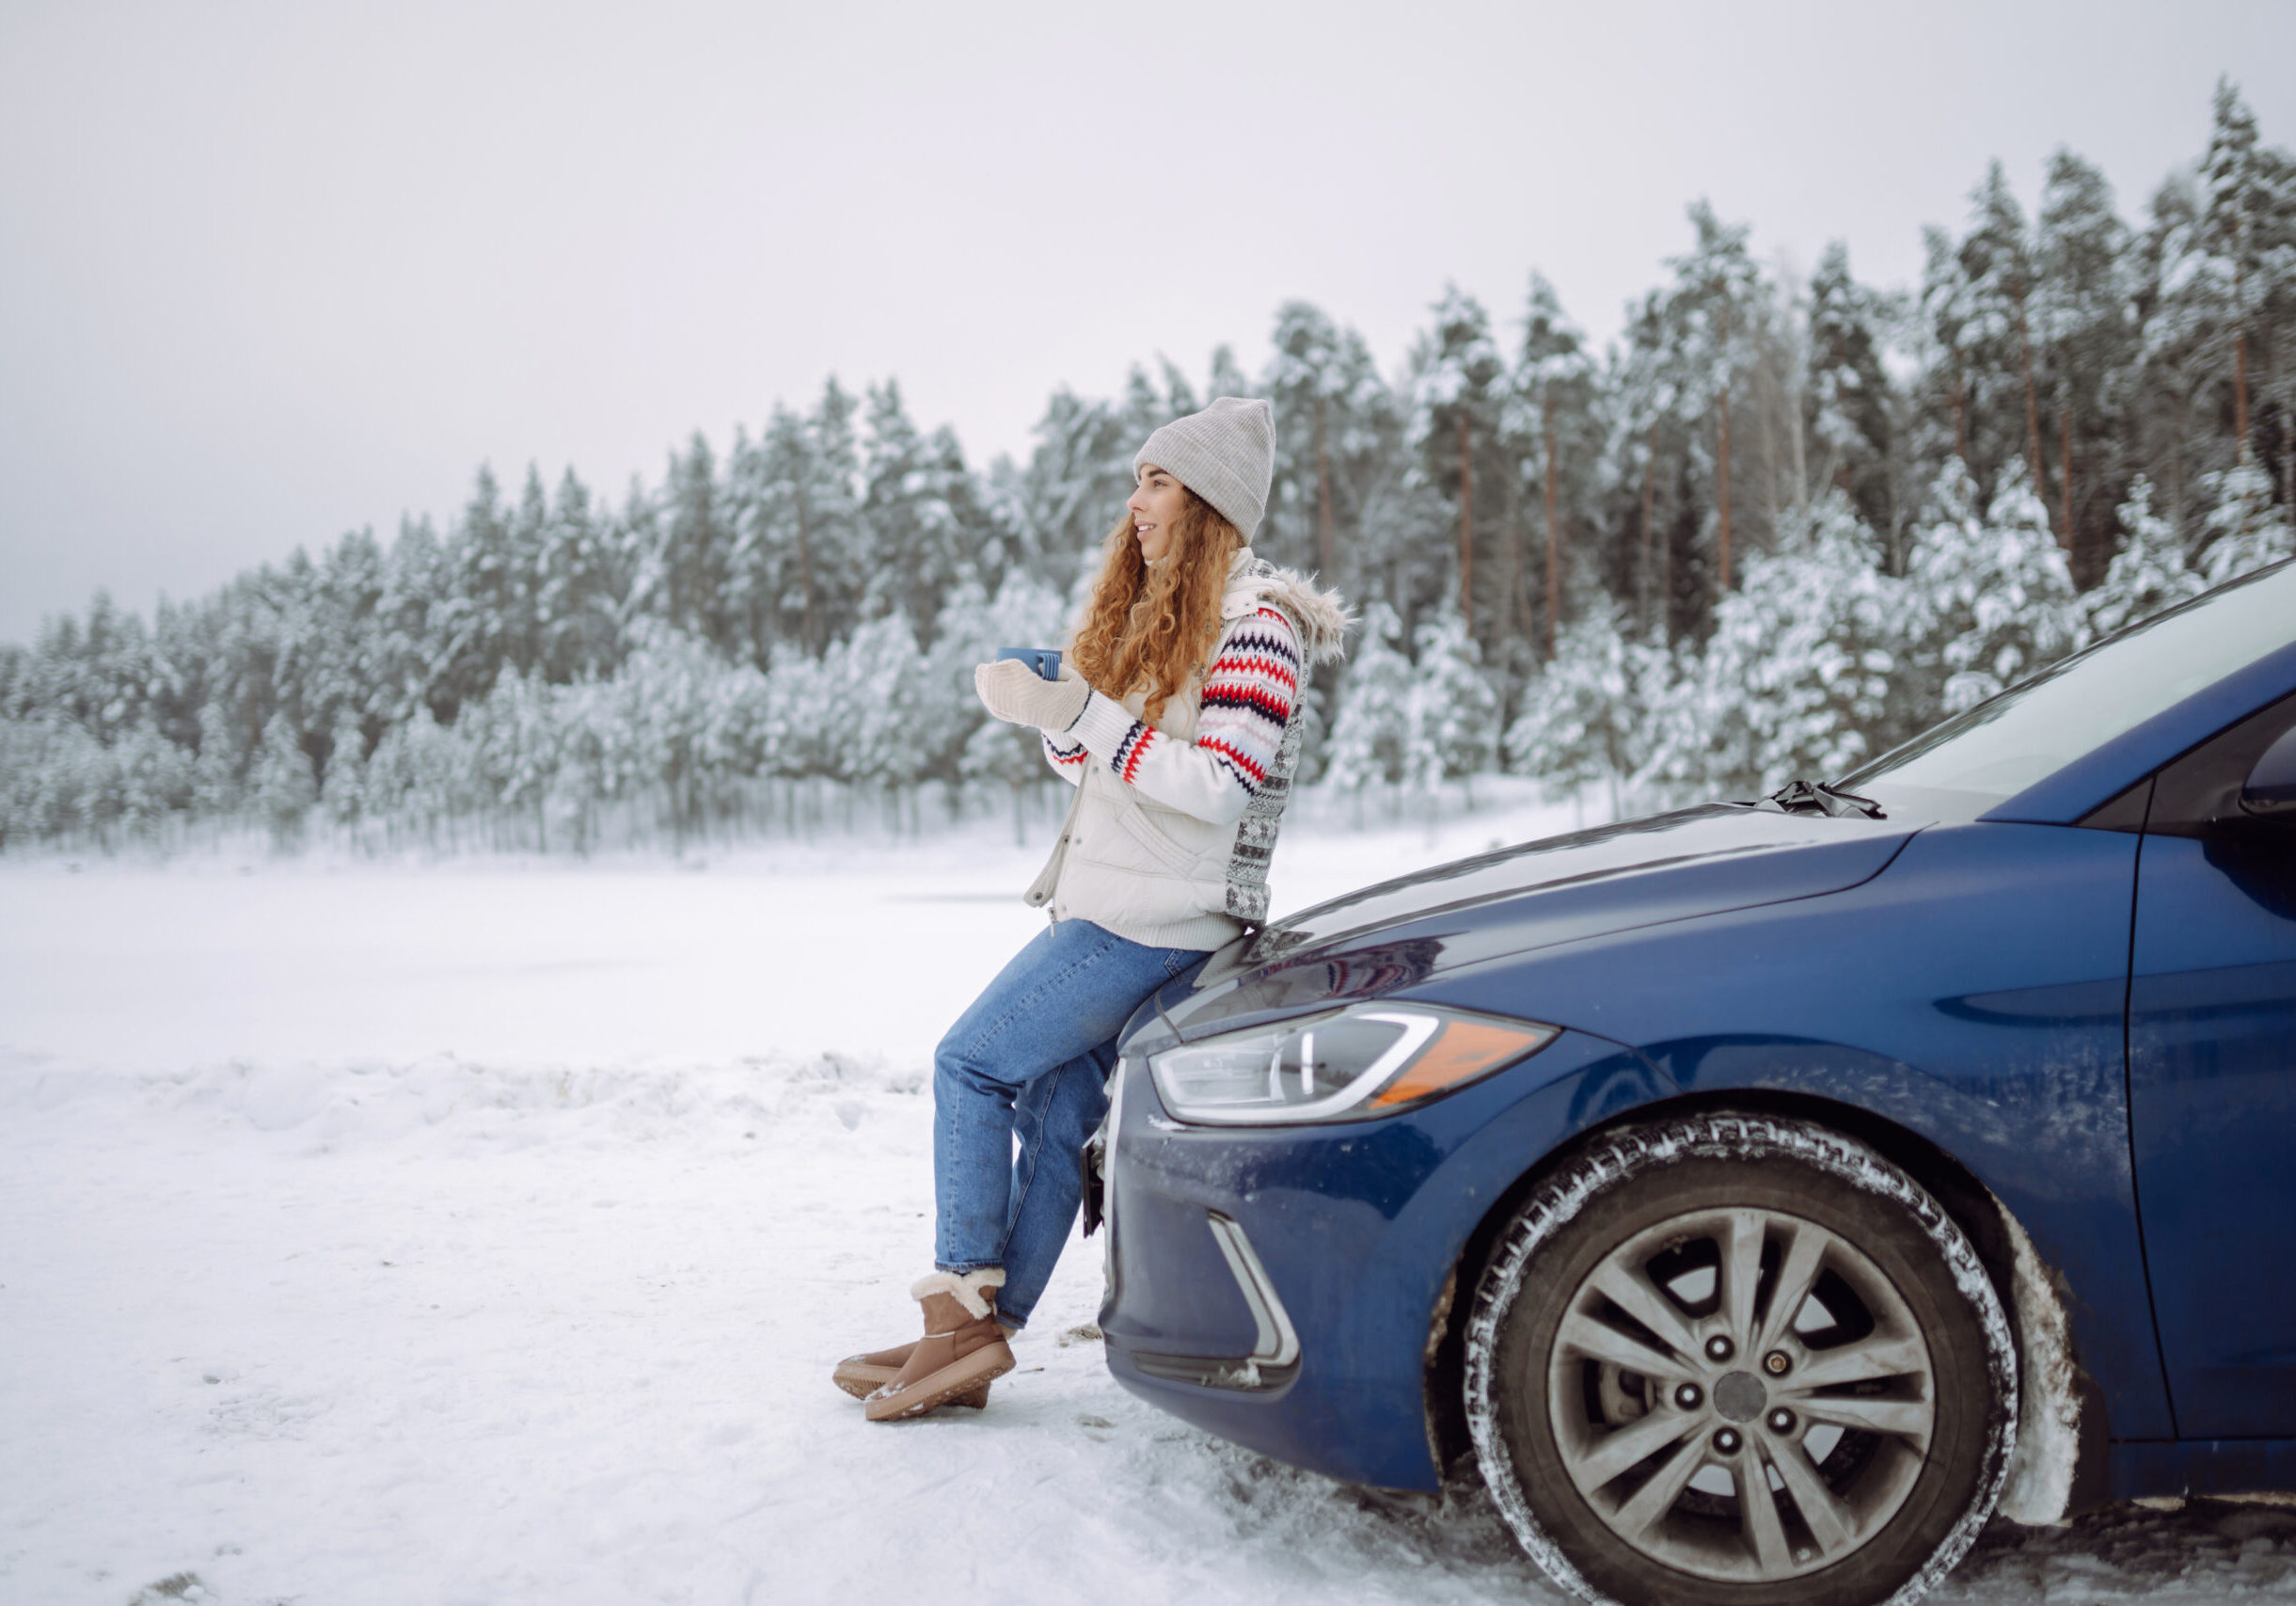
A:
2270,792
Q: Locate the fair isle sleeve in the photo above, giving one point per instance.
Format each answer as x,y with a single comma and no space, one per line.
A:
1248,701
1066,758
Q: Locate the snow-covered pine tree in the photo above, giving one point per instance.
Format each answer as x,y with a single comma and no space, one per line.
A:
986,547
2148,573
298,632
1581,712
753,588
917,551
692,728
1709,314
796,561
346,658
521,744
38,780
776,573
528,535
1942,338
342,792
1995,343
158,780
831,481
880,691
1456,400
1179,396
1555,433
576,598
282,783
2247,235
692,563
1991,596
1794,682
2242,530
1335,426
482,611
179,672
220,764
2084,337
1146,410
413,621
1452,720
1646,441
1370,739
1067,498
1225,377
1848,391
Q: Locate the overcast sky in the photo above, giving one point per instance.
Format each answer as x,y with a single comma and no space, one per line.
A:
268,273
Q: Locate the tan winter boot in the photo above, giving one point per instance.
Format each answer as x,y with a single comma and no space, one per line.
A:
862,1376
962,1350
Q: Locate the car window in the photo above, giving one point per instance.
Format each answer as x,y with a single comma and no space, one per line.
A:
2201,791
1991,752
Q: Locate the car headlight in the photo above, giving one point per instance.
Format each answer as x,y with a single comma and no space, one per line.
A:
1350,1064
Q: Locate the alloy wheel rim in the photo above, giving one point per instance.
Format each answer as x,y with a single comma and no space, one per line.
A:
1741,1395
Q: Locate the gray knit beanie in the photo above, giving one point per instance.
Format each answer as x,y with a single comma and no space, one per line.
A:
1225,454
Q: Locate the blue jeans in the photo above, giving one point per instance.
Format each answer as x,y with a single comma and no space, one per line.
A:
1031,1059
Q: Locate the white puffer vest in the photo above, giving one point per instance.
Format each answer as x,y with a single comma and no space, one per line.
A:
1158,876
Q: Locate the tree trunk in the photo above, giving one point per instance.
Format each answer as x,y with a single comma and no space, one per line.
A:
2239,394
1795,437
2065,485
2176,461
1514,584
805,570
1650,494
1960,412
1467,526
1323,539
1766,404
2288,463
1554,547
1669,556
2033,416
1722,485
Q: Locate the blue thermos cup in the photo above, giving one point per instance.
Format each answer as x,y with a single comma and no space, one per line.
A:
1044,661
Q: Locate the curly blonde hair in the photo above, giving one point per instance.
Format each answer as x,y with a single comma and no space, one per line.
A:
1150,626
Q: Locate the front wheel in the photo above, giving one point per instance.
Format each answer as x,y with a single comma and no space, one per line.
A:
1739,1361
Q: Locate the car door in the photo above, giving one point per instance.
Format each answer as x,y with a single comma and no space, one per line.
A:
2212,1087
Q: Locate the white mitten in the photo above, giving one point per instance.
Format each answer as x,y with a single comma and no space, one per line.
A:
1018,695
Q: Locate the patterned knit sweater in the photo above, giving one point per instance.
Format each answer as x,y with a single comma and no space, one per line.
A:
1247,698
1175,822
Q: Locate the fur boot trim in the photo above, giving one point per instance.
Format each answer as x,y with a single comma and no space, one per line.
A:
965,1287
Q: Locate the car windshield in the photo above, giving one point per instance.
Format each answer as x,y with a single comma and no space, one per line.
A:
1989,754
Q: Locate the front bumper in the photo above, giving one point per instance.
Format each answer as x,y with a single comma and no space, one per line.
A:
1279,1286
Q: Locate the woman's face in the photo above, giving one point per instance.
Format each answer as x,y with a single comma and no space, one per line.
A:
1156,506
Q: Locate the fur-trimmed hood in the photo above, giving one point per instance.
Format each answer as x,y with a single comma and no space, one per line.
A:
1320,617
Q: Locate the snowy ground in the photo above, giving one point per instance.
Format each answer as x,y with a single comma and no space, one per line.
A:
485,1234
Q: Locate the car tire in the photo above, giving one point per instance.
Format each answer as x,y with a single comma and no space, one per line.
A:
1739,1361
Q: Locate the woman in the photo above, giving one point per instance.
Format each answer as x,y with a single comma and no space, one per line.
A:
1175,718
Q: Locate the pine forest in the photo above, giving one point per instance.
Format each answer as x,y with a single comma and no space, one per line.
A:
1776,526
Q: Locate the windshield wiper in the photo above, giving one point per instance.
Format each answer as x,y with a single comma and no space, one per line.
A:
1808,797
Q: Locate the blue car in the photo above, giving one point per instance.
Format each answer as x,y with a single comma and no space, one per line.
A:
1759,1196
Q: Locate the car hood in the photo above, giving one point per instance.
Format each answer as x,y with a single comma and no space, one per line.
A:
1642,872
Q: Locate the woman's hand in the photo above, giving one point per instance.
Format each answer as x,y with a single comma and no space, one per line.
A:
1016,694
